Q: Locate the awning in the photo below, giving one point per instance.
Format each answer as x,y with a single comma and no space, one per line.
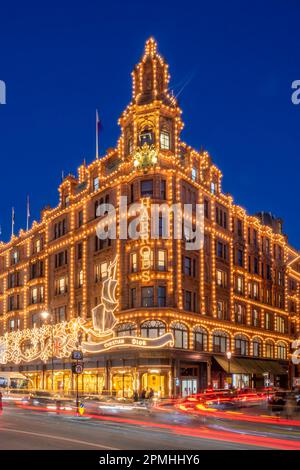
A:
250,366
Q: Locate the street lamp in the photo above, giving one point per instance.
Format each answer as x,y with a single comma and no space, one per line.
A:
45,316
229,356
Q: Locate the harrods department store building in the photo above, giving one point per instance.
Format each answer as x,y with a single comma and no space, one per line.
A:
238,293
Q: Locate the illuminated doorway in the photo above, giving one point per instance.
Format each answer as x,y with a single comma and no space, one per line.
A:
156,381
122,385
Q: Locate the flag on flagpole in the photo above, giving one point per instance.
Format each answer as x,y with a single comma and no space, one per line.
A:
13,222
98,128
28,213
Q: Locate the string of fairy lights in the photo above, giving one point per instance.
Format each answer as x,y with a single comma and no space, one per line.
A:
176,171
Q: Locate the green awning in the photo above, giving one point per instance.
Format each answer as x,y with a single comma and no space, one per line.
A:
250,366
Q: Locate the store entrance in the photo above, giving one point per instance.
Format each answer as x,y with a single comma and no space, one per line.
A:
123,385
156,382
189,387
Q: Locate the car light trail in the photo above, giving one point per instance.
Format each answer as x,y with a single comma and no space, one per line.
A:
204,433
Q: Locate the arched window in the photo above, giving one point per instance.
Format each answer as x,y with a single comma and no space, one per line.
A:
181,336
281,350
146,137
200,338
153,329
257,347
126,329
241,345
220,342
269,348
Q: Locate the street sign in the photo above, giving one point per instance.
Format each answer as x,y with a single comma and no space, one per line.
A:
81,409
77,355
77,368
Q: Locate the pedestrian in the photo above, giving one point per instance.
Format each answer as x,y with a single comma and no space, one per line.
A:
135,396
143,395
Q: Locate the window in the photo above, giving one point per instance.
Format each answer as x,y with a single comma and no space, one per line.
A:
14,324
162,260
126,329
221,278
96,185
80,218
200,339
61,286
281,351
80,278
206,208
239,227
222,250
61,259
34,295
240,313
147,188
147,297
165,140
255,290
60,228
255,318
129,145
146,137
280,324
79,251
133,263
194,174
220,342
213,187
60,314
132,299
162,296
221,217
188,300
268,321
38,245
15,257
269,348
180,333
103,271
187,266
163,190
241,345
240,284
257,349
153,329
240,258
222,310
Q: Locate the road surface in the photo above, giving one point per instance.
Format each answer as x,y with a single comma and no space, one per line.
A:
30,430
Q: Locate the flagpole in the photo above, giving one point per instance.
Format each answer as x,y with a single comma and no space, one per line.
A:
97,134
28,213
13,222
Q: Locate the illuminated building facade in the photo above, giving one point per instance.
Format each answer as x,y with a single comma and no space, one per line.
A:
240,293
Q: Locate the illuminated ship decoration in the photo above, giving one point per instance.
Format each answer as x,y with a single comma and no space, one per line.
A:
98,336
103,317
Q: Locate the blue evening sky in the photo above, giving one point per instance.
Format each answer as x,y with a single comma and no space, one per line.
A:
237,59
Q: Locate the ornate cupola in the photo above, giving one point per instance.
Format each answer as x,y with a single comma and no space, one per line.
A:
151,78
151,124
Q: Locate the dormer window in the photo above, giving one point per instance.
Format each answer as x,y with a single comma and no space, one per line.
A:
66,201
165,140
146,137
213,187
194,173
15,257
96,183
